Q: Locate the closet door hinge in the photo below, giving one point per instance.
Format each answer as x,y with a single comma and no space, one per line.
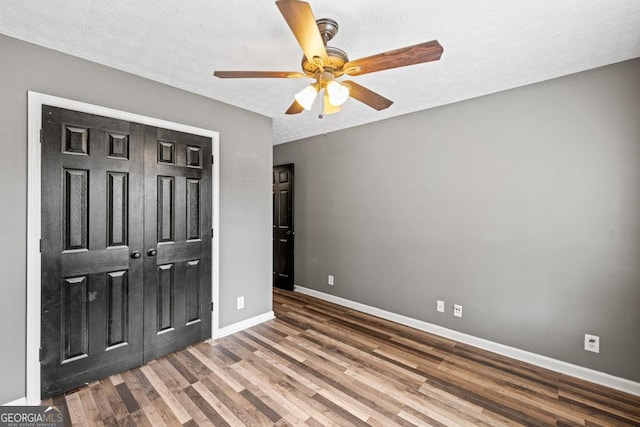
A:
40,355
211,305
213,159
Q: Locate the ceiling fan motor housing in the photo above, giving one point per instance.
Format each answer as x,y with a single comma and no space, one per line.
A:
337,59
328,28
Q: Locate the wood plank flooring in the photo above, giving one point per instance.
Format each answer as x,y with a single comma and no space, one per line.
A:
319,364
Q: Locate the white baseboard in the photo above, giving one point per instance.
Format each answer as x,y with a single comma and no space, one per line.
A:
18,402
581,372
244,324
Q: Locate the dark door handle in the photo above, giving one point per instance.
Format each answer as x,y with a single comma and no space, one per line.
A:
290,233
152,252
136,254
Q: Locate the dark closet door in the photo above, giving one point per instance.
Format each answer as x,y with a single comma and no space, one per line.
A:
283,234
126,245
92,219
177,234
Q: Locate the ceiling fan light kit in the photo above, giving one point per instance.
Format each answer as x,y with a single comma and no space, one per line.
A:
306,96
327,106
338,94
325,64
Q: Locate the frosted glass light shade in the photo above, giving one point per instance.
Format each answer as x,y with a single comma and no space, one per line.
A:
306,96
328,107
338,94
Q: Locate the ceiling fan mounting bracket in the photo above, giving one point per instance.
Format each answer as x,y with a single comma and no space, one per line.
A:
328,28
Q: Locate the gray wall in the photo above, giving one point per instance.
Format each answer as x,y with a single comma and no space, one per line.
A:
245,181
522,206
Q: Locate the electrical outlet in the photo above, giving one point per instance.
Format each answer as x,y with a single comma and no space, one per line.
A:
440,306
457,310
240,303
330,280
592,343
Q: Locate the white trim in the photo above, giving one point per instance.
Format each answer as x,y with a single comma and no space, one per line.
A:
36,100
33,249
215,243
583,373
18,402
245,324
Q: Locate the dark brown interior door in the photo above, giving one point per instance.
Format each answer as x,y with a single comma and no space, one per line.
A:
126,245
283,233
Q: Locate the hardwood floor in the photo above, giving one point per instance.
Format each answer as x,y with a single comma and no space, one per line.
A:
320,364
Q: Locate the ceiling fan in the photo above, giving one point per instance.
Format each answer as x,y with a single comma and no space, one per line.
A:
325,64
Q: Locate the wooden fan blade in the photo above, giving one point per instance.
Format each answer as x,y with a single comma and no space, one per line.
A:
300,19
367,96
410,55
295,108
258,74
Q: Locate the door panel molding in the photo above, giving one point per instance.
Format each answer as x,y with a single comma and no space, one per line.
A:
118,148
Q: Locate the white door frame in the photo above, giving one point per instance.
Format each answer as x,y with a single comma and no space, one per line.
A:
36,101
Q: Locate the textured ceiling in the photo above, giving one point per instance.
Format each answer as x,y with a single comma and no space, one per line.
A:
489,46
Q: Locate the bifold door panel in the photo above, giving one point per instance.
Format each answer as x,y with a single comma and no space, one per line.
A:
177,241
126,245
